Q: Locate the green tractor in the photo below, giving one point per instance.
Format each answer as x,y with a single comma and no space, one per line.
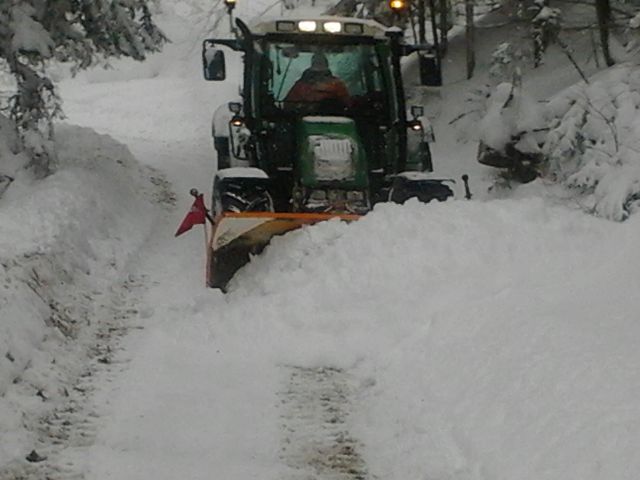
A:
322,132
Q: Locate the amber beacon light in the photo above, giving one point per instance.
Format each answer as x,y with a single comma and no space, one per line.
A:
231,4
397,5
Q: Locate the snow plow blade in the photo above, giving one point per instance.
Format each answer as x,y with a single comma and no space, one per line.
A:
237,236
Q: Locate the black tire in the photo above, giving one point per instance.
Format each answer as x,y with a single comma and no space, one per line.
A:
238,194
524,173
424,190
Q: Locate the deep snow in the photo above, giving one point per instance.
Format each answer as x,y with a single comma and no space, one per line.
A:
64,242
472,340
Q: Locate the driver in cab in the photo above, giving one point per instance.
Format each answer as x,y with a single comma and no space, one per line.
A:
318,84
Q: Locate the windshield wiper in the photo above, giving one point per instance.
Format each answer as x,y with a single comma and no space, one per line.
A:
284,77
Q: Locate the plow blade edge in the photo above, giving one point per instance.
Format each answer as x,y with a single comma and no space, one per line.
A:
237,236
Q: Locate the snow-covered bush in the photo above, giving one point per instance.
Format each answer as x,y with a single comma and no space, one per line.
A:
505,68
594,144
510,132
505,63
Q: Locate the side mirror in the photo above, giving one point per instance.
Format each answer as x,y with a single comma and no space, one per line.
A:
430,72
214,64
417,111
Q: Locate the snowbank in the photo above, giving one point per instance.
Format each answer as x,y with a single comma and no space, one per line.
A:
63,241
12,160
493,340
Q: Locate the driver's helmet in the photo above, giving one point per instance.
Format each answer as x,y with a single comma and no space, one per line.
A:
319,62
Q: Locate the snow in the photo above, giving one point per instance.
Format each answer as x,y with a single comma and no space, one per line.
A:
510,113
12,159
475,342
61,242
495,338
29,35
220,123
420,175
327,119
241,172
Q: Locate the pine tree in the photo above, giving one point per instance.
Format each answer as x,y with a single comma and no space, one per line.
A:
34,33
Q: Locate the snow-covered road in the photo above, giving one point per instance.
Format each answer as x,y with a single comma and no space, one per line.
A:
476,340
474,333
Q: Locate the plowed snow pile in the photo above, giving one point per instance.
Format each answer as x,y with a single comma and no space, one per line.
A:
64,242
499,339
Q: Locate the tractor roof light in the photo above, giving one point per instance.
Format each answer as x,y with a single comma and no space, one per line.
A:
354,28
398,5
286,26
332,27
307,26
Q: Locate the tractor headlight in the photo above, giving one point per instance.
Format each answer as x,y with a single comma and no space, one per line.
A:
318,196
336,196
298,194
307,26
415,125
357,202
355,196
332,27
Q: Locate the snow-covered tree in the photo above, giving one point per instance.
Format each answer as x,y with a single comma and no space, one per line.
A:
36,32
545,27
594,142
506,63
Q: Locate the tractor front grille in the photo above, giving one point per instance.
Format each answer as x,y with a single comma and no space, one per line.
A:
333,158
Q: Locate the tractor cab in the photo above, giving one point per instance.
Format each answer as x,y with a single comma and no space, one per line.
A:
323,110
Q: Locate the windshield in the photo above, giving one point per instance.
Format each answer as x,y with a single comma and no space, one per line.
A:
309,75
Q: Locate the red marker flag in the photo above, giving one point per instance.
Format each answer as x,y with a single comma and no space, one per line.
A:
197,215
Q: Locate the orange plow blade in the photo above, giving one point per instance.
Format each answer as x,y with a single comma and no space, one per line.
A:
237,236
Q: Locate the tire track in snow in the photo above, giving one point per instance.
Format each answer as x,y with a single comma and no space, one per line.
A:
316,443
72,423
